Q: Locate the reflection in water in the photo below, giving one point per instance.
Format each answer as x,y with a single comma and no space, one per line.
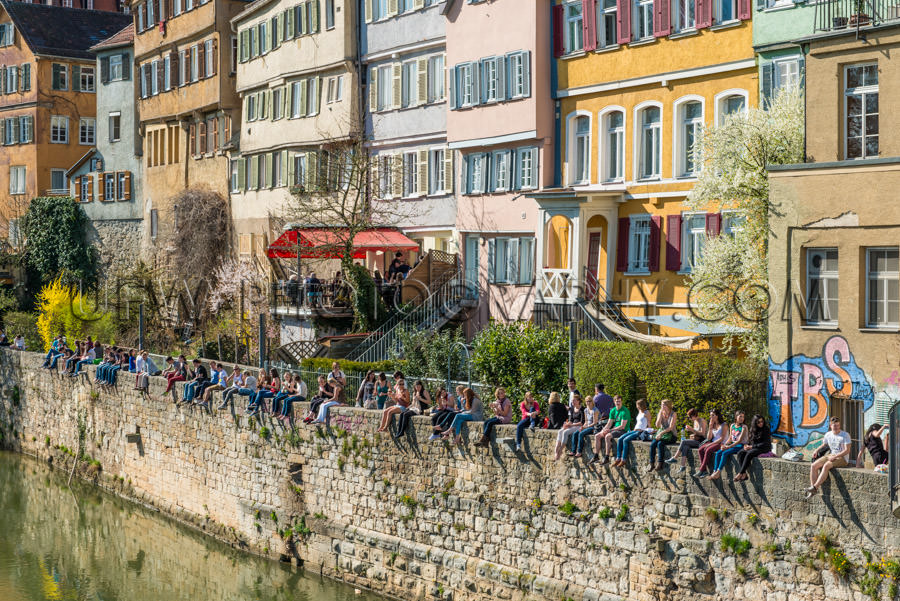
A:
60,546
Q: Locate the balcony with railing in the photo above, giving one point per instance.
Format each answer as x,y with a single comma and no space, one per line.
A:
838,15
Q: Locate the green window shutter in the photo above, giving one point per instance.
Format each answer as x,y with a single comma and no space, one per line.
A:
289,32
369,11
55,83
767,80
312,170
288,100
314,16
304,85
286,168
242,174
267,176
26,77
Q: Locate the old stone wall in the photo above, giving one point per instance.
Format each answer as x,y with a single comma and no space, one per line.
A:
419,520
119,243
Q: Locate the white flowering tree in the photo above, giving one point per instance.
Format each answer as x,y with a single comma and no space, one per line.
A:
729,284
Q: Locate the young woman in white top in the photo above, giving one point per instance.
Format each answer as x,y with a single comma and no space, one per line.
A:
642,431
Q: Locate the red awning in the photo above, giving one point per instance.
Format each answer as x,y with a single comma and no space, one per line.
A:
325,244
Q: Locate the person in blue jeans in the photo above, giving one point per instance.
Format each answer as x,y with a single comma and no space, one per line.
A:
531,418
591,421
54,350
474,412
642,431
666,425
736,439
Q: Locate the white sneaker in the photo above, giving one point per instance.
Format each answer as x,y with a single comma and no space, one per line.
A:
811,491
518,448
434,437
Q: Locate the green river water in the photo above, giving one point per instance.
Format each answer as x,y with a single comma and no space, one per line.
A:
83,544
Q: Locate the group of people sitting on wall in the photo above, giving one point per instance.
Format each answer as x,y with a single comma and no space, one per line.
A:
70,361
602,426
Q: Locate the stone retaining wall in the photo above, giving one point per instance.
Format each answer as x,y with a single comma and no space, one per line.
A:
420,520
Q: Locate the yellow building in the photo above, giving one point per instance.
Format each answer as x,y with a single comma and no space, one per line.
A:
636,82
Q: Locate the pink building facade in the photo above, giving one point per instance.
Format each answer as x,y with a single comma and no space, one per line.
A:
500,126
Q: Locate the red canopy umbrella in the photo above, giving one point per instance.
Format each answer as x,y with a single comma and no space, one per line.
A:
320,243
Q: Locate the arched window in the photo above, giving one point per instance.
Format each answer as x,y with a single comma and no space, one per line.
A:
613,146
559,230
650,143
690,122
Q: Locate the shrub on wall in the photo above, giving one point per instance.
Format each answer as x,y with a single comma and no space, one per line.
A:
705,379
428,354
323,364
61,310
521,358
24,323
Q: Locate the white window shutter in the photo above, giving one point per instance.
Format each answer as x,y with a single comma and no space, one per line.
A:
422,83
422,179
448,170
393,7
397,176
373,89
314,96
417,4
397,84
369,11
304,85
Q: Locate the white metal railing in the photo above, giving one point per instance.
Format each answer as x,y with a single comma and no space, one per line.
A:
558,284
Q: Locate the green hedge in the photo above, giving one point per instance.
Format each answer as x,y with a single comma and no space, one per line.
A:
324,364
702,379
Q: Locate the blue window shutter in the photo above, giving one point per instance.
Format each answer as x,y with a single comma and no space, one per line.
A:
476,82
501,78
492,260
768,82
452,73
526,70
801,70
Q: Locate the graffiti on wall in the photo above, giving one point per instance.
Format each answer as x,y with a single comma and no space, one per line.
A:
801,388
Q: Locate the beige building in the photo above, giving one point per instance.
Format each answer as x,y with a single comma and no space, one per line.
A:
298,88
187,106
834,247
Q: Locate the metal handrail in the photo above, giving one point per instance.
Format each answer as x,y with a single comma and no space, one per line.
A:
591,279
894,457
836,15
384,341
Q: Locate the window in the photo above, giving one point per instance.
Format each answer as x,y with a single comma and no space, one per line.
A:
300,169
263,38
435,78
519,75
639,244
86,129
787,74
490,79
122,185
277,104
167,73
385,176
466,82
475,178
726,11
116,72
691,115
329,14
276,169
58,181
210,68
861,99
154,223
335,90
883,290
511,260
87,79
614,150
195,63
109,186
408,87
684,15
693,239
822,285
384,86
574,27
234,52
730,104
580,161
643,19
59,129
7,34
410,174
12,79
379,9
733,222
606,23
212,132
84,194
154,78
60,77
500,170
650,144
526,177
184,57
437,183
26,129
151,16
17,179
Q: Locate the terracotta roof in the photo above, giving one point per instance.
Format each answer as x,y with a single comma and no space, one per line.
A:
63,32
124,38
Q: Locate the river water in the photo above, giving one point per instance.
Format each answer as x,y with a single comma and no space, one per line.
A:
58,544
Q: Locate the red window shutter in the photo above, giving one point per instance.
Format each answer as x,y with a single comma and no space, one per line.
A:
655,227
623,20
589,23
744,10
713,224
559,45
673,242
622,244
704,13
662,20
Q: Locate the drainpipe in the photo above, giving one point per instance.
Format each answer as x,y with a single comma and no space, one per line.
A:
557,126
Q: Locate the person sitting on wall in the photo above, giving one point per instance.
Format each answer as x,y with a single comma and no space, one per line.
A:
734,443
324,394
217,382
73,357
592,418
473,412
530,410
4,341
759,443
110,359
19,342
694,435
233,383
299,396
572,425
258,402
251,383
442,414
419,404
875,441
618,424
177,371
642,431
557,412
502,408
402,401
52,351
87,357
716,431
666,424
838,443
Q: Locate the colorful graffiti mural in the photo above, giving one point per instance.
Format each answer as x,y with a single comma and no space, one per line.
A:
800,390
